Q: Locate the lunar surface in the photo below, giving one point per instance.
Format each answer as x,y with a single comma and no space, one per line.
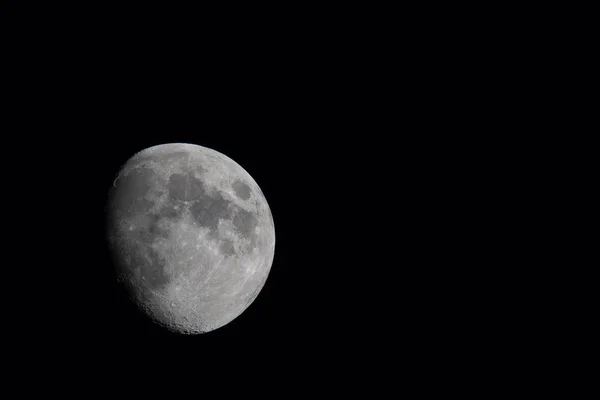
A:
191,234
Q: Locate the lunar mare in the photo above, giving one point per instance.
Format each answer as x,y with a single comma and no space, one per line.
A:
191,234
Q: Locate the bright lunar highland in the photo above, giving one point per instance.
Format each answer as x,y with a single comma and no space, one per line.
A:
191,235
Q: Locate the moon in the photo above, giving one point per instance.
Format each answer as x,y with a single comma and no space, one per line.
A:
191,235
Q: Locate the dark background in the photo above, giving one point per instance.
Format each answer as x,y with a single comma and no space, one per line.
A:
359,141
318,158
294,109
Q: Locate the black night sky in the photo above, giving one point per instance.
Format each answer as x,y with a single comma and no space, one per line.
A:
318,160
337,148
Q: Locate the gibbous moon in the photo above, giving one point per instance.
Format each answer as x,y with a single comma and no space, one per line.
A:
191,234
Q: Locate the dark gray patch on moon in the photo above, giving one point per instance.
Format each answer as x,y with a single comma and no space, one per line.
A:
245,222
169,211
241,189
131,189
209,209
152,270
150,230
142,235
176,187
155,229
185,187
227,248
145,263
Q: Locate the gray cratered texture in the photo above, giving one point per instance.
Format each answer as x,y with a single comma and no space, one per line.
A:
191,234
